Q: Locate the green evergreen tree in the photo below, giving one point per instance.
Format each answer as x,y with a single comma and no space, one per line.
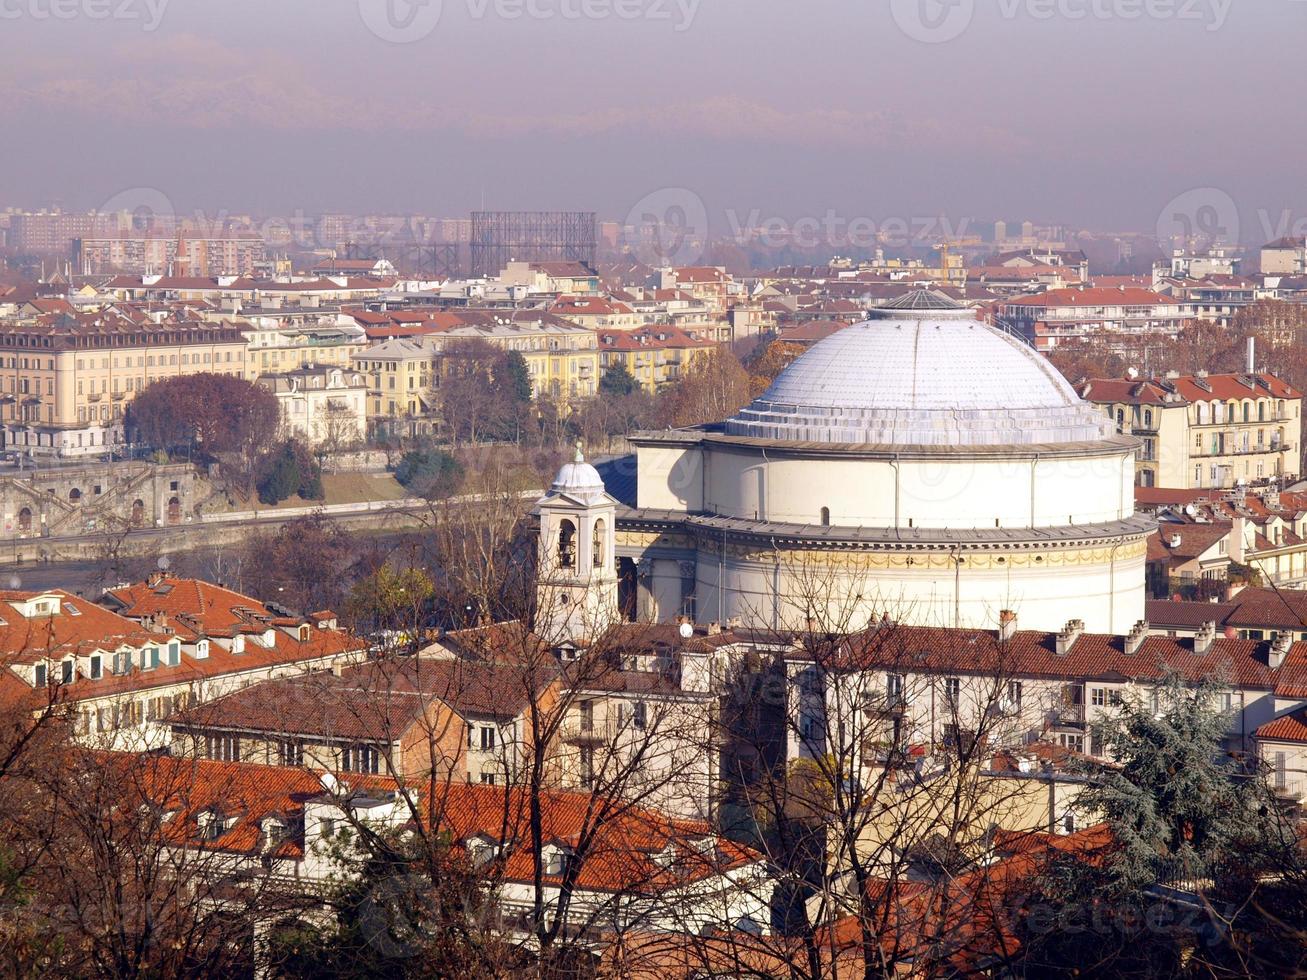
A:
1181,814
1176,804
429,473
617,381
282,476
517,379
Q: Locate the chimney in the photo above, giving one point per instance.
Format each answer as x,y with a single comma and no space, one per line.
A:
1204,638
1252,355
1175,540
1135,641
1007,625
1280,647
1067,638
714,629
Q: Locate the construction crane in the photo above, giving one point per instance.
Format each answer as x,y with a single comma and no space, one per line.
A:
945,250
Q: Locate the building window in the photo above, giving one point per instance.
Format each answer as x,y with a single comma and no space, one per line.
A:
67,671
1014,694
487,738
360,758
40,675
587,766
290,753
96,670
1097,697
952,690
640,714
487,779
825,517
1076,743
223,748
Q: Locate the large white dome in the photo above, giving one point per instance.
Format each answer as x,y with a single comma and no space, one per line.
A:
923,372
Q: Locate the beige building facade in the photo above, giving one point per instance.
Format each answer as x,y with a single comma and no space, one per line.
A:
65,386
1214,431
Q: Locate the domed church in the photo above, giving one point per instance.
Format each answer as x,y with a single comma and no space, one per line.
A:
920,466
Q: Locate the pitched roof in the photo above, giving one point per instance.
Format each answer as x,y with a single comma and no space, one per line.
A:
629,848
1187,389
1096,296
320,705
1186,615
941,650
1287,728
72,626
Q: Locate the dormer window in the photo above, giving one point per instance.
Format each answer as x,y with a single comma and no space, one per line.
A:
95,669
555,860
201,649
211,825
173,655
67,671
40,675
122,662
304,632
238,643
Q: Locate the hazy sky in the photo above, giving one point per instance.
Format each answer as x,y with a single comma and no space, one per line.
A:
1094,112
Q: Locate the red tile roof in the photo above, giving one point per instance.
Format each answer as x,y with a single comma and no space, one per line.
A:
1287,728
941,650
1096,296
659,337
622,842
1189,388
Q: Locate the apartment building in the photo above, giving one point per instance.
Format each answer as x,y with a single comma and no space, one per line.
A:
1206,430
285,340
123,668
54,232
416,719
562,361
227,255
1062,315
628,872
894,693
1215,538
321,405
656,356
1284,257
66,379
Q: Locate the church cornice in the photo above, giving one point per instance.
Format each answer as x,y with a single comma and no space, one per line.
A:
920,540
713,437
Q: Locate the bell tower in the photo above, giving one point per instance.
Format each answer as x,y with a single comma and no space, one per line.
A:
576,581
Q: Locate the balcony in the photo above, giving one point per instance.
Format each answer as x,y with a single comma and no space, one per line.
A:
580,733
1288,787
1070,714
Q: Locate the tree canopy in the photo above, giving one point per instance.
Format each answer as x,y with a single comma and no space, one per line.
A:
429,473
484,392
211,413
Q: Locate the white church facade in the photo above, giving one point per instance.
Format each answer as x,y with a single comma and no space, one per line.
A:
920,466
